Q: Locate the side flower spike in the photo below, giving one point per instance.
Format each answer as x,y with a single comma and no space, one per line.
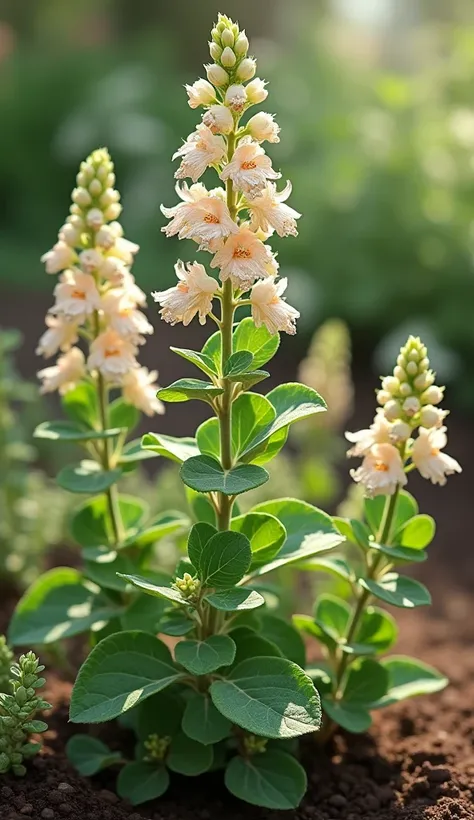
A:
269,309
192,295
201,149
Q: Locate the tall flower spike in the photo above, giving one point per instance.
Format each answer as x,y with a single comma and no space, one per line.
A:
408,421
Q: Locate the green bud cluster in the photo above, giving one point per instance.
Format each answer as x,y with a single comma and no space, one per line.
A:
17,715
410,394
6,660
228,49
254,745
95,201
187,585
156,748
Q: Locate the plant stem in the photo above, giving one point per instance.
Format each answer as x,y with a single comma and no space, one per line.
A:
383,537
112,492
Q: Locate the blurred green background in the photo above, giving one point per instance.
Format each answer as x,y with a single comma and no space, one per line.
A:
374,98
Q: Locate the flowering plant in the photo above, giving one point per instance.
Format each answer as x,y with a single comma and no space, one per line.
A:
407,434
233,693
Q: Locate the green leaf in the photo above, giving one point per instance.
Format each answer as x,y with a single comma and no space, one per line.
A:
58,605
409,677
122,414
160,715
212,349
208,438
90,525
176,449
374,510
250,379
257,340
143,613
418,532
265,533
400,554
234,600
188,757
205,475
309,531
87,477
175,623
186,389
335,566
251,645
89,755
238,363
285,636
133,453
66,431
273,780
150,588
81,404
398,590
204,657
271,697
378,631
165,524
251,414
367,681
203,722
200,360
352,717
332,614
291,403
224,560
120,672
199,535
139,782
104,572
201,507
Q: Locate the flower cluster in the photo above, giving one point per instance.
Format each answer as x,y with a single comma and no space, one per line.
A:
231,223
96,297
408,430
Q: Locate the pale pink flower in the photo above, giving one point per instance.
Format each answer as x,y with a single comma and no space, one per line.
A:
219,119
90,260
60,256
249,168
139,388
76,295
364,440
381,470
192,295
65,374
114,269
130,287
201,149
236,98
263,127
205,220
61,335
123,316
112,355
428,458
243,258
200,93
268,211
269,309
124,249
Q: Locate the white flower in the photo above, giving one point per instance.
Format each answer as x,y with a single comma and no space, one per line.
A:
428,458
95,218
381,470
61,335
256,91
262,127
76,295
219,119
400,431
135,294
392,408
204,221
363,440
60,256
433,395
243,258
113,356
65,374
236,98
106,236
123,316
90,260
192,295
269,309
411,406
201,149
70,235
249,168
432,416
124,249
269,212
200,93
139,388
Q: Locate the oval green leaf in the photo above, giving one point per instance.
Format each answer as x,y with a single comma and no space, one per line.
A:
89,755
205,475
265,532
203,722
186,389
398,590
139,782
87,477
204,657
234,600
224,560
273,780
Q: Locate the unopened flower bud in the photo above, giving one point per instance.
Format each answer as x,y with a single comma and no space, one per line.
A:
77,222
414,356
113,211
70,235
227,38
105,237
200,93
215,34
390,384
246,69
95,188
241,44
412,368
81,197
262,127
433,395
405,389
91,260
219,119
392,410
431,416
216,75
95,218
383,396
399,373
109,196
236,97
215,51
256,92
228,58
400,431
411,406
424,380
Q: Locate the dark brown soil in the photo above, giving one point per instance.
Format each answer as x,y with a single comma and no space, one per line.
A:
417,762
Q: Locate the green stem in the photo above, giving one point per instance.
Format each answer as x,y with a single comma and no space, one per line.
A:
112,493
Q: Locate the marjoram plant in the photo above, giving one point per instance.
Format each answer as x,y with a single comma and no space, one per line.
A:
407,434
